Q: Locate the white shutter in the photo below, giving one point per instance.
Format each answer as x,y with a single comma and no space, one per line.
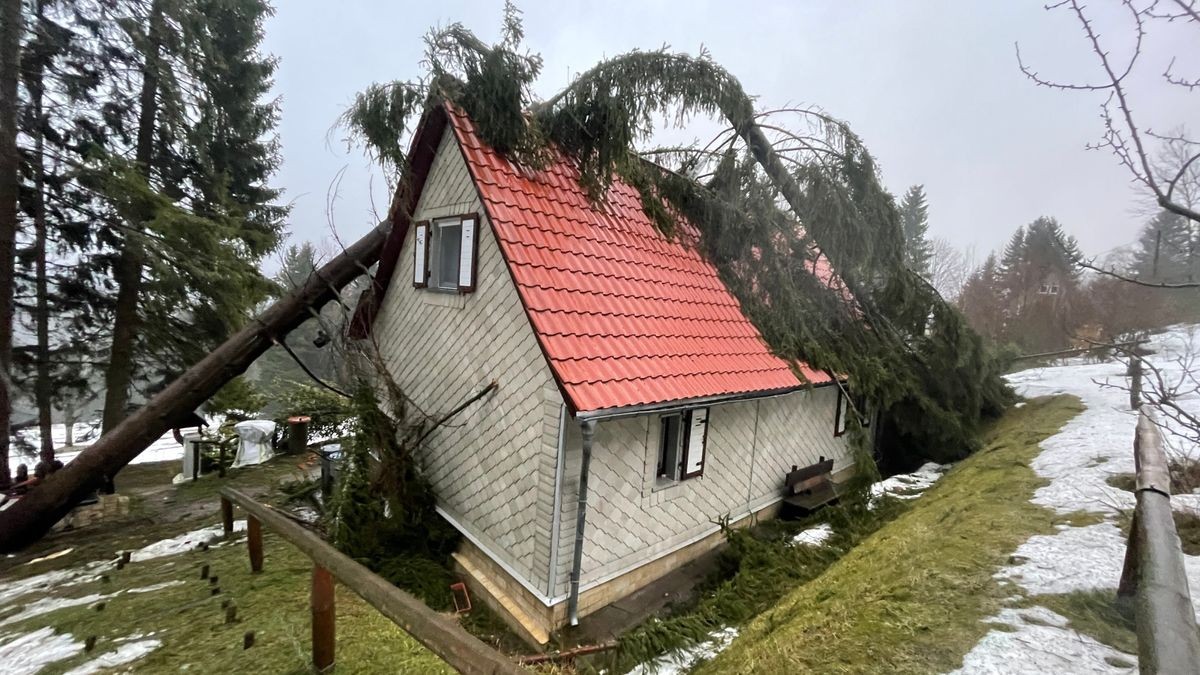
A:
697,436
466,256
421,255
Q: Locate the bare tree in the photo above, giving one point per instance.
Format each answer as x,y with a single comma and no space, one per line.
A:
1170,177
1130,142
949,267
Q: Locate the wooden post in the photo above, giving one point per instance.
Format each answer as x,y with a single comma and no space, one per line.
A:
323,617
254,543
1135,382
220,460
226,515
298,434
440,633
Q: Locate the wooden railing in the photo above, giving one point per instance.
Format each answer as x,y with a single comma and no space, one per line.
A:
1154,580
438,632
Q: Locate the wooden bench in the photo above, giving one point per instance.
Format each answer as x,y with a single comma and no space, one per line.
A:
811,486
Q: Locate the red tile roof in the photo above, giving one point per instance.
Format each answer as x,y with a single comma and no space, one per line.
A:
625,315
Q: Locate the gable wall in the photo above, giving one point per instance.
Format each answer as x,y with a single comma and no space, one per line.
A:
751,447
492,465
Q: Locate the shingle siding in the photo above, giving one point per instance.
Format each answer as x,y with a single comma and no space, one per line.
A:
751,446
489,464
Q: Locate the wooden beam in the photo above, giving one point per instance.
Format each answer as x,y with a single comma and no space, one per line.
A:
438,632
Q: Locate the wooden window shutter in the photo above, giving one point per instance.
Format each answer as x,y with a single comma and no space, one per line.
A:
421,255
468,253
695,442
840,412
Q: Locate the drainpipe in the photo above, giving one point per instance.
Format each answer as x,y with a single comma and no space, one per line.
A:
588,427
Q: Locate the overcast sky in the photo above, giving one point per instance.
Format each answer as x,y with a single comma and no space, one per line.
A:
933,88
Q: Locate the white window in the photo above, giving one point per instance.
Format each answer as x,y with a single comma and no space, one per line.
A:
444,254
682,445
1049,289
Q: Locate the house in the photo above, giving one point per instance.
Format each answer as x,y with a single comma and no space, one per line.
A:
636,404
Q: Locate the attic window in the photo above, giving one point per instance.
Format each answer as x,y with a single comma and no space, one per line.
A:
1049,289
683,438
444,254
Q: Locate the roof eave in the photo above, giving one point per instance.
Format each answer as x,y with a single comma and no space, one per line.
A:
685,404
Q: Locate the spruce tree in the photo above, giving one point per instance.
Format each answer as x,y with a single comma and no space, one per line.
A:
186,268
11,28
914,220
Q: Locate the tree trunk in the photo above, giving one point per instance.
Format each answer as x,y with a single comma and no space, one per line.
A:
34,514
119,374
10,57
42,388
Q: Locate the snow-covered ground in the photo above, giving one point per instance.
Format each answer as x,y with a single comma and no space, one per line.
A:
28,653
1077,461
165,448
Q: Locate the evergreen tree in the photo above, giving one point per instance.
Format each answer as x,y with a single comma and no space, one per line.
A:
197,212
914,220
11,28
1168,251
1039,281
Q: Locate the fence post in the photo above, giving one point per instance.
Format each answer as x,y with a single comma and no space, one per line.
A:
323,617
1135,382
226,515
254,543
298,434
1164,618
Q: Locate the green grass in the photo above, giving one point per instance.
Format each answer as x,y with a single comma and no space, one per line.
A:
911,597
190,621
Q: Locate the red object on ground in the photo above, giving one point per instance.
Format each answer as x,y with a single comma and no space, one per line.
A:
626,315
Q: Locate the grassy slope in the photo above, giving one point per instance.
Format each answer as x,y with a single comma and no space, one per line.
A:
910,598
189,620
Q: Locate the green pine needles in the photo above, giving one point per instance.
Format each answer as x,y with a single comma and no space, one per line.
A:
780,198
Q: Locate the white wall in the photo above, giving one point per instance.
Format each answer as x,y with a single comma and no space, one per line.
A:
751,447
492,465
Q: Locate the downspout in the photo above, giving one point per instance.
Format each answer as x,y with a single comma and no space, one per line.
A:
588,428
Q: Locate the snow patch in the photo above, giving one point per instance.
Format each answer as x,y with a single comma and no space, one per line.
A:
910,485
813,536
126,653
52,556
1073,559
188,541
13,589
27,653
47,605
684,660
1038,641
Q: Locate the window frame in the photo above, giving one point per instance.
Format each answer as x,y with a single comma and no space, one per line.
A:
671,467
437,227
428,254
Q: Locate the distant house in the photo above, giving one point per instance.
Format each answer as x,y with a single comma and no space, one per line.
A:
629,380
